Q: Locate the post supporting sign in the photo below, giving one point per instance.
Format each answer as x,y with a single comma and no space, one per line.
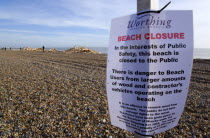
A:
147,5
148,70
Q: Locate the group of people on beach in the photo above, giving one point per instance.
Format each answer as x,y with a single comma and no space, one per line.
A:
4,48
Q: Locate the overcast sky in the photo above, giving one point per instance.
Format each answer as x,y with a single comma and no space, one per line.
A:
65,23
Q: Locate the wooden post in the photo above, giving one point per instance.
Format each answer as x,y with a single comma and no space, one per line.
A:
141,6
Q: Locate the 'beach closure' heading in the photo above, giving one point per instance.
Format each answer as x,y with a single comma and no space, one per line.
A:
148,36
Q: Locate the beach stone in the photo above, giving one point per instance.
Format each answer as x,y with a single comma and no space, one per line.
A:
104,120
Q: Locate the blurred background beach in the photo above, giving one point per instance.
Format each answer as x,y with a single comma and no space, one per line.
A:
199,53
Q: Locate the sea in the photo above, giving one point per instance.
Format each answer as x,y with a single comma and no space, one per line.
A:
199,53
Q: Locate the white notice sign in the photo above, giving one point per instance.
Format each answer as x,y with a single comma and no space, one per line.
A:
149,67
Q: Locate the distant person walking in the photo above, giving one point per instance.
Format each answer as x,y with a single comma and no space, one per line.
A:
10,48
43,48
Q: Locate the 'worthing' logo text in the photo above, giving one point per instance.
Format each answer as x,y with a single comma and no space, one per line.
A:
149,21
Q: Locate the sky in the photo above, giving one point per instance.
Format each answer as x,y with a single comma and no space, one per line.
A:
66,23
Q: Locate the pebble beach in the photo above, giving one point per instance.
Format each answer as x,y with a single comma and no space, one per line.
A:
58,94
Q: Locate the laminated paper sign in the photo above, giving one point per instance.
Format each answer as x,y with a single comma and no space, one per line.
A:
148,70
